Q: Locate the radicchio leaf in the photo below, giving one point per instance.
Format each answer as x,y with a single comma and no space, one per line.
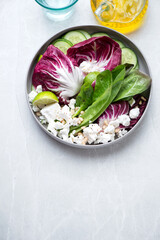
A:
113,111
95,54
55,72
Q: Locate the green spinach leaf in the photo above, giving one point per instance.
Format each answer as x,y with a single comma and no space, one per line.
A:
84,98
135,83
99,105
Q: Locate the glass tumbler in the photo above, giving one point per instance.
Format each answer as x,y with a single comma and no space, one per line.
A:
57,9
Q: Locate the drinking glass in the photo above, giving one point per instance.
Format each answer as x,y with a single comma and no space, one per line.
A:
57,9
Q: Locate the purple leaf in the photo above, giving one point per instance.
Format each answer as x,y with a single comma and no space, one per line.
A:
55,72
113,111
95,54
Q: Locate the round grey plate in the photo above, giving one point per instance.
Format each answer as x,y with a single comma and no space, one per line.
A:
91,29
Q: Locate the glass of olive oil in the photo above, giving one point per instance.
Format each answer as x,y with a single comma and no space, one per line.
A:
124,16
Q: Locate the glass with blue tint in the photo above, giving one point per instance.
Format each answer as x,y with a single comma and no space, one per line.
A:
57,9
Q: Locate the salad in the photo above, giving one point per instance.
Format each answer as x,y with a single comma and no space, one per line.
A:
87,89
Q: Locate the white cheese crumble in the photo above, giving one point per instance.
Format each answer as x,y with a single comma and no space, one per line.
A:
75,121
35,108
72,103
78,139
51,128
109,129
64,132
50,112
134,113
124,120
43,120
32,95
91,132
115,123
65,113
104,138
39,88
122,132
58,125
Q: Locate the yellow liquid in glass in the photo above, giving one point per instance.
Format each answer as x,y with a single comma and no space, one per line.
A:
124,16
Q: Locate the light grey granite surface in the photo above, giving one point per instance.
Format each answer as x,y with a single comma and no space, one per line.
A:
49,191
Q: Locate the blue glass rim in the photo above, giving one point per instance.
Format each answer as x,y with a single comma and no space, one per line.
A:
57,9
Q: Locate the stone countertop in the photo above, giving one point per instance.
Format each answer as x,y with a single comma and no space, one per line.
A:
51,191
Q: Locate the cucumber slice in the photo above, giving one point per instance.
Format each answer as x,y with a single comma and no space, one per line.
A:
128,56
120,43
137,66
74,37
100,34
86,34
62,44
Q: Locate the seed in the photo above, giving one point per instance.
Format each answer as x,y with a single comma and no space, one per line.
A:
106,123
82,112
140,102
104,126
38,114
143,98
72,111
81,119
84,141
117,130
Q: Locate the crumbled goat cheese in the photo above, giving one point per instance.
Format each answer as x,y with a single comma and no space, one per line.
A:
65,113
69,140
115,123
124,120
134,113
91,132
52,129
78,139
42,119
109,129
35,109
104,138
72,103
58,125
75,121
122,132
64,133
32,95
39,88
50,112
